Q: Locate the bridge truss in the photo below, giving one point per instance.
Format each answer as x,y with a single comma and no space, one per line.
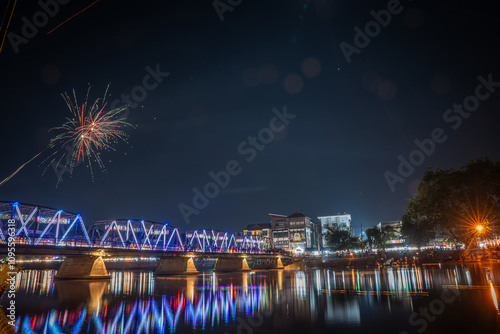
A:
34,225
219,241
39,225
137,234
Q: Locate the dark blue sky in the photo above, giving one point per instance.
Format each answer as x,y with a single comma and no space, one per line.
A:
353,120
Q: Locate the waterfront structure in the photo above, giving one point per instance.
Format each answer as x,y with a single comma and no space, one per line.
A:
59,233
342,220
281,236
302,231
277,219
264,231
295,232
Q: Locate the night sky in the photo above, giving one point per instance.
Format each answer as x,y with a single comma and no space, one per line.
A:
349,121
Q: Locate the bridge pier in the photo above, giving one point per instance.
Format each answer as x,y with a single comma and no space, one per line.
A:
231,264
83,267
176,266
268,263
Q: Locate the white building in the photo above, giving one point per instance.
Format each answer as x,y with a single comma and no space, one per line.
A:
341,220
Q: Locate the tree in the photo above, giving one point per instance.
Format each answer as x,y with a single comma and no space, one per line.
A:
417,231
339,238
378,237
373,237
453,203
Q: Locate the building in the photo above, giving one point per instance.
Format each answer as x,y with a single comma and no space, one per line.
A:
295,232
341,220
277,219
281,236
263,231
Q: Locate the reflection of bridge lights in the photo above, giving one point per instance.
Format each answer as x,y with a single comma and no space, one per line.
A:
211,307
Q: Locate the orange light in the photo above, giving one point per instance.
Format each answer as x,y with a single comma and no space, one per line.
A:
479,227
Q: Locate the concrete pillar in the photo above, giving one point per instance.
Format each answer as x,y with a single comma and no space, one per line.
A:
176,266
231,264
83,267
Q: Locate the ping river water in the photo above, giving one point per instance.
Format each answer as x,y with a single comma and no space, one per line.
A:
434,299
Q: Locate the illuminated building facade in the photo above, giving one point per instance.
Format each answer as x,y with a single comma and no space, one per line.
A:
259,230
295,232
281,236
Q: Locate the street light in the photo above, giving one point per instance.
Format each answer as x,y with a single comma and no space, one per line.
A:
479,228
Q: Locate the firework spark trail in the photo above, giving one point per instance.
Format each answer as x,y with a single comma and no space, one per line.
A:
85,134
17,170
74,16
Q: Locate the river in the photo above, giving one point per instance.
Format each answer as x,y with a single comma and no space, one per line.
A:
435,299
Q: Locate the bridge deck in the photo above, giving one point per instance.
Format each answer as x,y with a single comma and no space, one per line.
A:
47,250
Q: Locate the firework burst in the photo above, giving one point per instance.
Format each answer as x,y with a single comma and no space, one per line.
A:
84,136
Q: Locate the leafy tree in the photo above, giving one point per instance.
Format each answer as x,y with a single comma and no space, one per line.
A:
361,243
453,202
373,237
388,233
378,237
339,238
417,230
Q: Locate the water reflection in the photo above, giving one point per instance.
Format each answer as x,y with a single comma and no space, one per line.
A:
76,293
131,302
132,283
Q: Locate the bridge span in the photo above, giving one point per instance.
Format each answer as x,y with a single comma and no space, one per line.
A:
41,231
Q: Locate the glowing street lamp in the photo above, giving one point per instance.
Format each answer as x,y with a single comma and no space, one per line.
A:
479,228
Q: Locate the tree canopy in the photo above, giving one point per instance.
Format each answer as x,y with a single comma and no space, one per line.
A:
452,203
340,238
378,237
